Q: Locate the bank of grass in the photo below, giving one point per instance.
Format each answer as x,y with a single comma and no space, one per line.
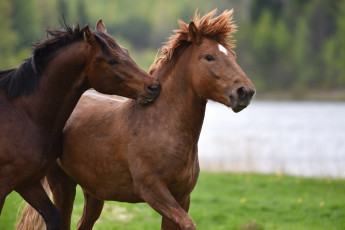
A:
231,201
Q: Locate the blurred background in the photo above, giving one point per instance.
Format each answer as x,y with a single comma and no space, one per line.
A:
293,51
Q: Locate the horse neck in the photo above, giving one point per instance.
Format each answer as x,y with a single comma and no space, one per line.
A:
178,98
62,84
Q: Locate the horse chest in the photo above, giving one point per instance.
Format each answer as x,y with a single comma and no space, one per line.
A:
183,181
184,173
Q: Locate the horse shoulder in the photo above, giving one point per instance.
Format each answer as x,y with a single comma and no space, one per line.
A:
92,123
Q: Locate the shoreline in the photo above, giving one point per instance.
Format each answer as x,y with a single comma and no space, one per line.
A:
314,95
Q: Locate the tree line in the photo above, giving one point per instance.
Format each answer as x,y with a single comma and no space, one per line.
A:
281,45
296,45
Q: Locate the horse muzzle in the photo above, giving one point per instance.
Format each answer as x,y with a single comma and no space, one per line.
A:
152,92
241,98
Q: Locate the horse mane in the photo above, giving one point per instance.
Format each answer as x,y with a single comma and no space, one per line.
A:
219,29
25,79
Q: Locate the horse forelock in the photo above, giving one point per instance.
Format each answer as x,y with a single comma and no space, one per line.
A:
220,29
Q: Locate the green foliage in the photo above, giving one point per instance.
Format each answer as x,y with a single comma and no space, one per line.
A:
82,13
334,52
341,43
138,35
225,201
8,37
300,51
282,45
263,39
297,49
26,21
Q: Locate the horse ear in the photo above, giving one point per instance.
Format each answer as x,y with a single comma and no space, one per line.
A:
88,36
194,33
100,26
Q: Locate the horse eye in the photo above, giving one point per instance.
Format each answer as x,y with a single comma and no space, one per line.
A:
112,62
209,58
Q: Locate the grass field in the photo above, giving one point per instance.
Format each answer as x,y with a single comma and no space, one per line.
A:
231,201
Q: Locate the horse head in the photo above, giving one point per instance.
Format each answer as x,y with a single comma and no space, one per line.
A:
112,71
214,71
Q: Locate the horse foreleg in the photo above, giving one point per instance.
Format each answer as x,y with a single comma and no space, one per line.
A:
39,200
2,201
63,189
169,225
161,200
3,195
92,210
4,190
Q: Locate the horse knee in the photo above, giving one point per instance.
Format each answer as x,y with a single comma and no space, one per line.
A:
188,224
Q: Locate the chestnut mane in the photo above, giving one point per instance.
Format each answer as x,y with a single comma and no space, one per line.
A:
219,29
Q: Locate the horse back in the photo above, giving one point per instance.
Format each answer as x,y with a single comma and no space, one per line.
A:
94,110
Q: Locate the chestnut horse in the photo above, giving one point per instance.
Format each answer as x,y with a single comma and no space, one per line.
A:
123,151
37,98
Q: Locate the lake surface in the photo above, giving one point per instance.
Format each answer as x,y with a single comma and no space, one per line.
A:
296,138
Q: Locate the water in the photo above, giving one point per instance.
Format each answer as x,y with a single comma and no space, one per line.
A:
296,138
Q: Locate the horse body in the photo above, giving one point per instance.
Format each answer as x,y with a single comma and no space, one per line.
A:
32,120
107,165
116,163
123,140
112,144
42,113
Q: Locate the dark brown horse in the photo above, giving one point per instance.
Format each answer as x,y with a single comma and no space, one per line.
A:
123,151
37,98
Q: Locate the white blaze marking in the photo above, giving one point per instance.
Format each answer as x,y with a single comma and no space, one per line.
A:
222,49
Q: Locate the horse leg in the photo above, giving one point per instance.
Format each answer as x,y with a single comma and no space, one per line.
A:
3,195
39,200
2,201
92,210
160,199
63,189
169,225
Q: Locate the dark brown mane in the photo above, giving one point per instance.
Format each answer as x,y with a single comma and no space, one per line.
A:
25,79
220,29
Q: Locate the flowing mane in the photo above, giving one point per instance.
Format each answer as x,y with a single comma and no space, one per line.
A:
220,29
24,80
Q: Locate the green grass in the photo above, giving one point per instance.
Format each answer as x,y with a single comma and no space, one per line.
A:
231,201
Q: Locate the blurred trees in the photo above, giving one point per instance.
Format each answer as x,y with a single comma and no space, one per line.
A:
8,36
281,45
296,45
334,51
26,21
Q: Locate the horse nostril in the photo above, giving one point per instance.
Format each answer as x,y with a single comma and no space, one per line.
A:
154,89
251,93
242,93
